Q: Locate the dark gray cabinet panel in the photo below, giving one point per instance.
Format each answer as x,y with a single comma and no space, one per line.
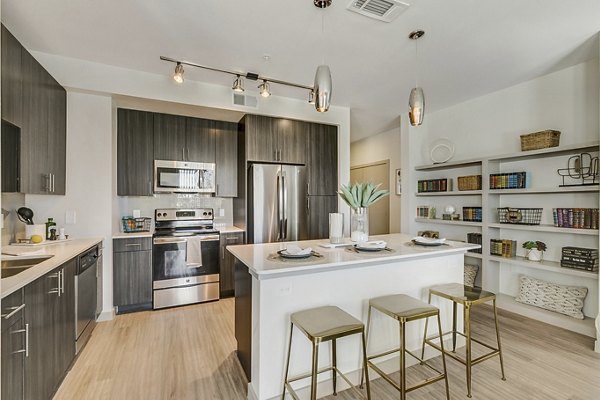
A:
135,153
11,148
226,265
169,137
200,140
132,278
319,208
64,324
322,160
243,316
226,158
57,135
13,347
11,79
291,137
261,143
132,244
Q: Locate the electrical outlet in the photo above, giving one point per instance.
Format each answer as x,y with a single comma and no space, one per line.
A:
70,217
285,290
221,212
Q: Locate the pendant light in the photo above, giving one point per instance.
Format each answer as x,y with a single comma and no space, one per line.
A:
416,100
323,83
238,84
178,75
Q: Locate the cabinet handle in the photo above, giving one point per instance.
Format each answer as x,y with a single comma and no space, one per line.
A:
26,332
231,238
133,245
47,183
62,281
52,180
188,154
183,154
14,310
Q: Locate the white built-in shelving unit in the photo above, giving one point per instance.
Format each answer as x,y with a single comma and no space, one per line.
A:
500,274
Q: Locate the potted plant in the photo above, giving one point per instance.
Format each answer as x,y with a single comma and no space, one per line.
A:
359,197
535,249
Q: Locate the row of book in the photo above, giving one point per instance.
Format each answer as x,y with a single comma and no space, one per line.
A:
434,185
579,258
472,214
503,248
512,180
580,218
475,238
425,212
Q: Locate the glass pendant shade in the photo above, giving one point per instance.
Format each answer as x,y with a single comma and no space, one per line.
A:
416,106
323,87
178,75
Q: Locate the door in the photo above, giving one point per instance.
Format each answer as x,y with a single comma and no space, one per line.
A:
65,320
169,137
57,135
226,158
10,149
135,153
294,216
200,140
11,79
184,256
379,213
264,197
13,346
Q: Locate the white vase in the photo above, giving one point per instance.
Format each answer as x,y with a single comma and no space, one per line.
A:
535,255
359,224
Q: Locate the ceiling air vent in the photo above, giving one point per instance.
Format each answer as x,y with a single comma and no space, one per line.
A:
245,100
383,10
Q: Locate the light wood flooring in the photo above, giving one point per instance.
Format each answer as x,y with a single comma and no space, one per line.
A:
188,353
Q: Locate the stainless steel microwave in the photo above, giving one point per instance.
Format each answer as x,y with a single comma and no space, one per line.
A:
183,177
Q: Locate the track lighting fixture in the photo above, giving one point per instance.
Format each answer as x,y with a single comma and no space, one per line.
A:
238,84
265,89
311,97
416,100
178,75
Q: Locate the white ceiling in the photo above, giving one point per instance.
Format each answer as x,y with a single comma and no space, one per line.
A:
470,48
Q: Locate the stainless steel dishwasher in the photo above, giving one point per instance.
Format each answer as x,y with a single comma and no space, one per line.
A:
86,286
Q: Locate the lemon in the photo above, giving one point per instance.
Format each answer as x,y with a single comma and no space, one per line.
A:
36,239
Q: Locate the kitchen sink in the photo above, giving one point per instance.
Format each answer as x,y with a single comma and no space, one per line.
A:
14,267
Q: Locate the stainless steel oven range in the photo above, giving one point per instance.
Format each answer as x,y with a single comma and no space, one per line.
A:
185,257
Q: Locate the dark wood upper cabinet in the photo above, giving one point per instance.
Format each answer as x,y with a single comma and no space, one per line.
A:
291,138
261,144
275,139
169,137
11,79
57,135
200,140
11,150
226,157
322,160
135,152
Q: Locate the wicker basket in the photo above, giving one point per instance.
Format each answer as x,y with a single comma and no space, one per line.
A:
472,182
540,140
520,216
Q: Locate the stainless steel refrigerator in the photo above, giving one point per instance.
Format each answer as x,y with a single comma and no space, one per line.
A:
278,203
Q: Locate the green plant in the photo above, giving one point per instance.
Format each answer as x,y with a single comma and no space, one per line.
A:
531,244
361,194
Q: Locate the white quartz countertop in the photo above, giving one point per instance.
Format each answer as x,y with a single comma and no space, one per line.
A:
260,260
230,229
59,252
221,229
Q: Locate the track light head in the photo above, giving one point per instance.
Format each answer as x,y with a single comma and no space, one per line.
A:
178,75
311,97
238,84
265,89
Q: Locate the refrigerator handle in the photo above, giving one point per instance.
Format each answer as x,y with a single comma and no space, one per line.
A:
285,211
279,207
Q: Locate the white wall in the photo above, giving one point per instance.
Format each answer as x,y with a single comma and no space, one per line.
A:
384,146
89,184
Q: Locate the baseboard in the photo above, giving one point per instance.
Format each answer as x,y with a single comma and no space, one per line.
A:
106,315
251,393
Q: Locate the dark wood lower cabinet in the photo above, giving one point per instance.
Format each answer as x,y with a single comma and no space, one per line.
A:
243,316
319,208
132,275
13,338
65,316
226,264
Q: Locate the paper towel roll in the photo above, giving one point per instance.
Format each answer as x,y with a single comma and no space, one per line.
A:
37,229
336,227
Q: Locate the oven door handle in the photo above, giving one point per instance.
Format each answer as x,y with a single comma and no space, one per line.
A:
161,241
209,238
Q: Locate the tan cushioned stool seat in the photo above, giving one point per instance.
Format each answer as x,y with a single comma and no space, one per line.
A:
326,322
460,293
401,306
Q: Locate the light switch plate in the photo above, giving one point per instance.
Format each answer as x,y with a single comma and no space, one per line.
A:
137,213
221,212
70,217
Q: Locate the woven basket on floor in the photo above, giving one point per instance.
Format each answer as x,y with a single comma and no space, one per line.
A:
540,140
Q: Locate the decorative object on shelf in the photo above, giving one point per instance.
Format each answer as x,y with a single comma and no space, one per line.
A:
535,249
434,185
416,100
441,151
426,212
511,180
583,168
450,214
563,299
579,258
475,238
131,224
472,214
470,274
520,216
577,218
429,234
471,182
359,197
540,140
336,228
503,248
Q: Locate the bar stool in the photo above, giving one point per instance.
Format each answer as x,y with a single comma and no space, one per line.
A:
323,324
405,309
467,296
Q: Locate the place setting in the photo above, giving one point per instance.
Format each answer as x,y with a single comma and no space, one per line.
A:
370,247
427,241
294,253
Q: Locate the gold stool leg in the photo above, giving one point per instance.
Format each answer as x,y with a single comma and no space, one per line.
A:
362,373
467,325
443,357
498,338
287,365
425,333
315,368
365,366
334,364
454,306
402,361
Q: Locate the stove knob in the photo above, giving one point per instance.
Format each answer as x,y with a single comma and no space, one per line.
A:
204,213
210,213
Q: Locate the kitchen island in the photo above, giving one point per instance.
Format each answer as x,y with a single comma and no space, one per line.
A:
268,289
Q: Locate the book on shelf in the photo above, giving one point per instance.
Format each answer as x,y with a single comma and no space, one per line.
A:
434,185
578,218
475,238
503,248
568,264
425,212
511,180
580,258
472,214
